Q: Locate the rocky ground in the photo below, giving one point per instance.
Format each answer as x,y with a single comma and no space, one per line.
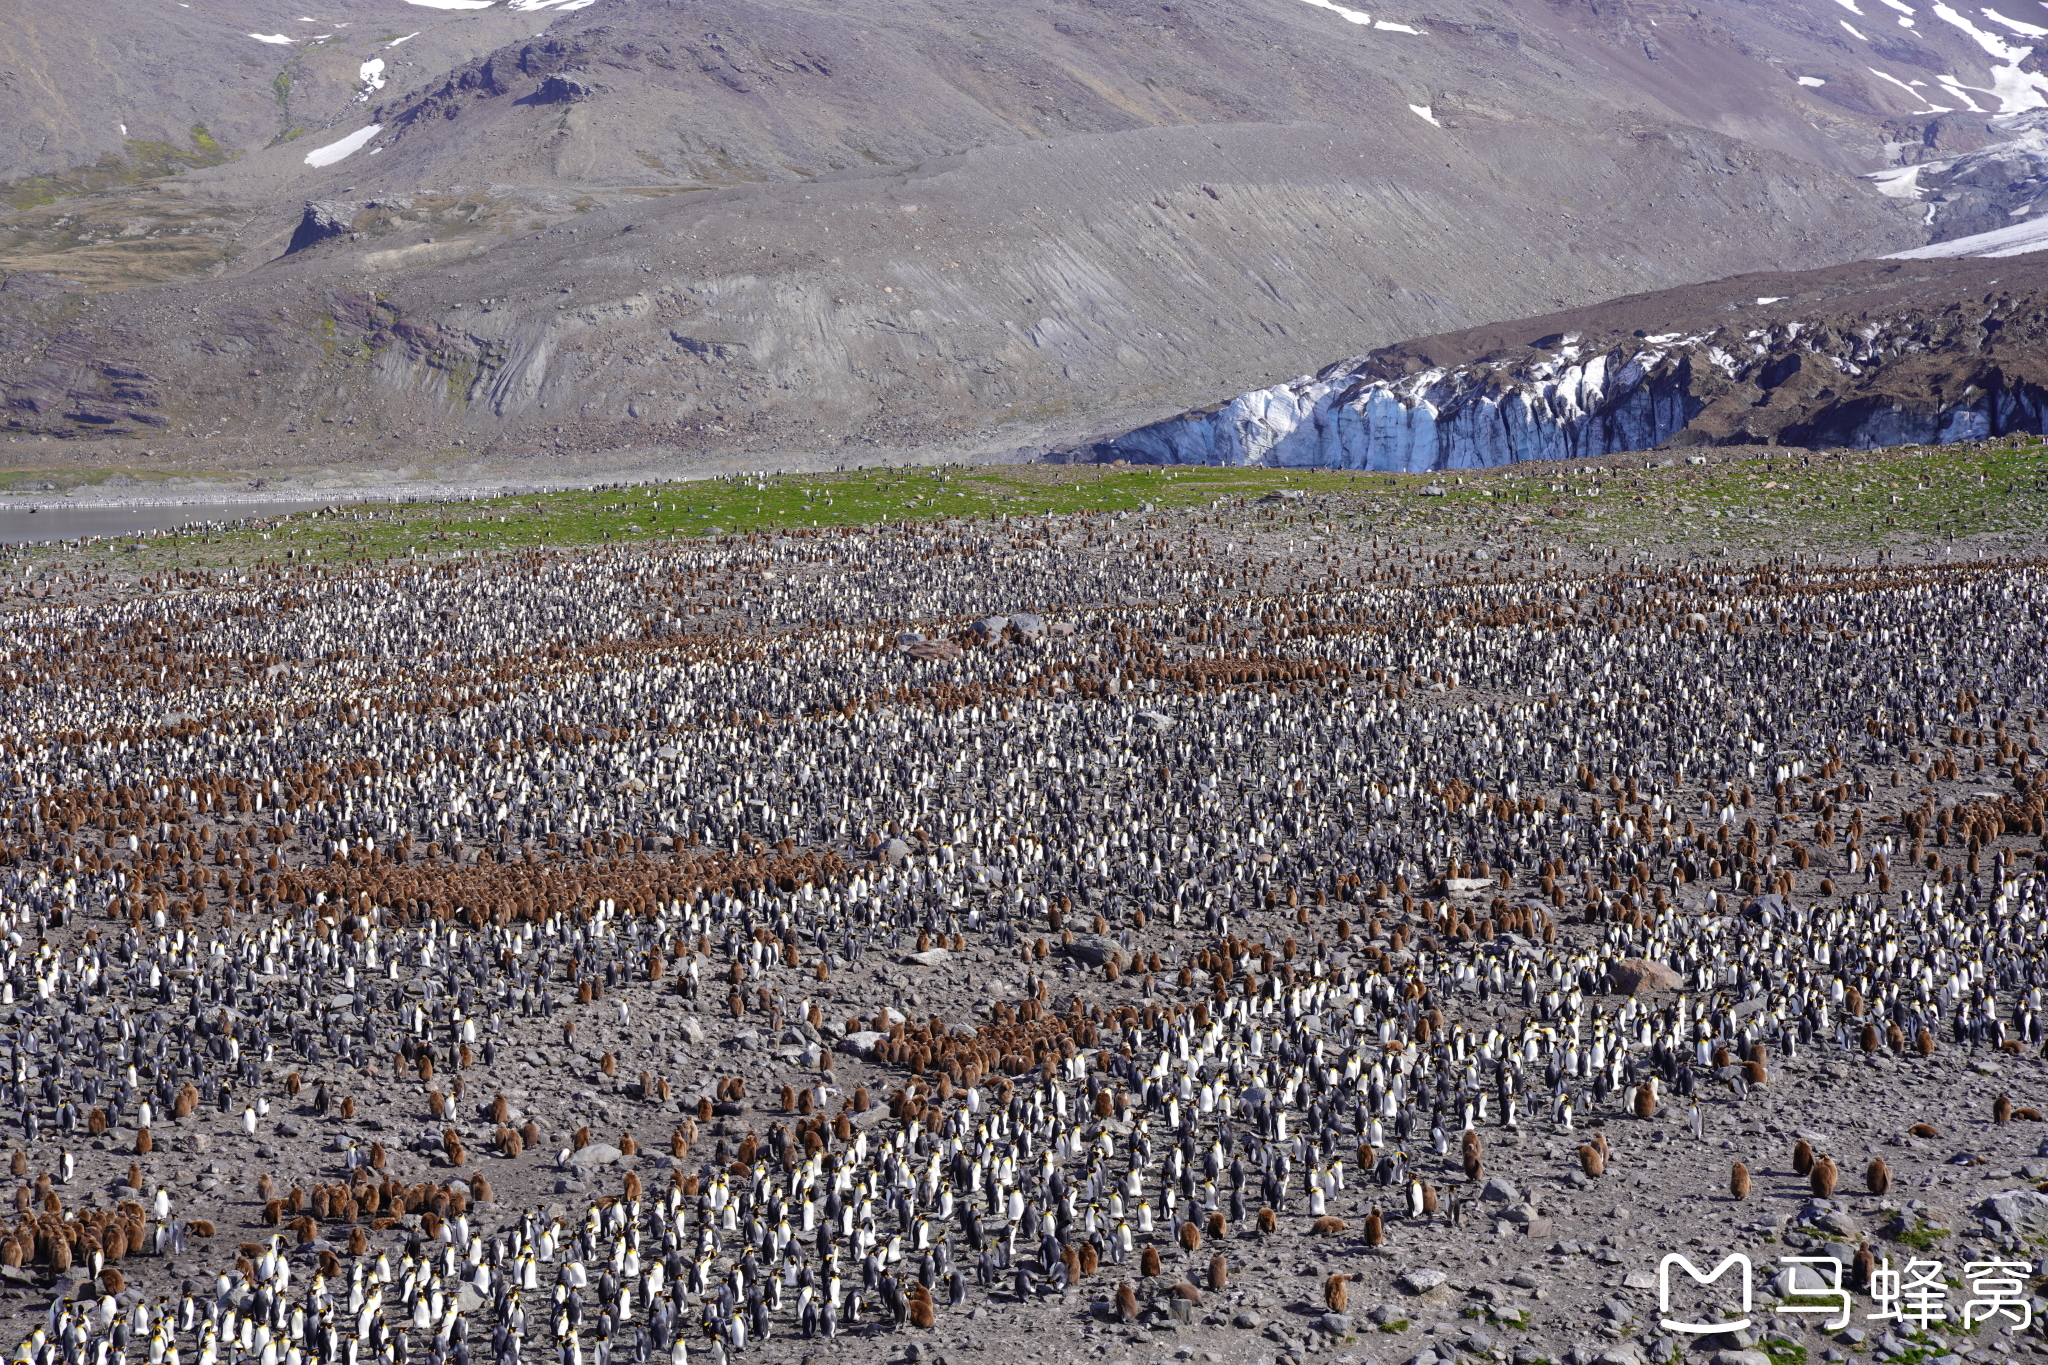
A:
650,858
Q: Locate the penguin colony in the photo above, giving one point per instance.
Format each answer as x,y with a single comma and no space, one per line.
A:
543,939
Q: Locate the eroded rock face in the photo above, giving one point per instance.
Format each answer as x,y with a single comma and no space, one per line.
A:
1879,353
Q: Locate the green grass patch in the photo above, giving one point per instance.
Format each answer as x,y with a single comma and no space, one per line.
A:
1823,501
736,506
1923,1237
1784,1352
1827,500
140,161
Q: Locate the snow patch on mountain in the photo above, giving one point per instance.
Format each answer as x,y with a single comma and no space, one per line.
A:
1355,16
342,150
2018,240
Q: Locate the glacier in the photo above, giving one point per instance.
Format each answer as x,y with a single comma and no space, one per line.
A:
1793,381
1471,418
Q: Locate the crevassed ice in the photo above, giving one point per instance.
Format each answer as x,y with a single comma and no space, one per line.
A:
1431,420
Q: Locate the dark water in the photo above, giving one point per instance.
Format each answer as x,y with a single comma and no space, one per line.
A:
60,519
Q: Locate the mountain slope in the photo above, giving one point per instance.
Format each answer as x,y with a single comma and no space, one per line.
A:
723,226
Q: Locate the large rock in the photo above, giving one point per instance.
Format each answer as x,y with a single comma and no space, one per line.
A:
1420,1282
1094,950
860,1044
597,1154
2025,1211
1642,976
1740,1358
930,957
323,220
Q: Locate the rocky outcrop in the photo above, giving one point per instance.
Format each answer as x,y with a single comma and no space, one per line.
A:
1984,187
324,220
1869,355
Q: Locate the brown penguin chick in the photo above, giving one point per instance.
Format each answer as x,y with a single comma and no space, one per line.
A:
1219,1272
1802,1157
1823,1177
1738,1181
1126,1303
1329,1225
1375,1229
1268,1221
1190,1238
1218,1228
1924,1130
2001,1109
1148,1262
1877,1177
1336,1293
1590,1160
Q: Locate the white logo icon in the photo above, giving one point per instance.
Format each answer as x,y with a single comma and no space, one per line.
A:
1702,1328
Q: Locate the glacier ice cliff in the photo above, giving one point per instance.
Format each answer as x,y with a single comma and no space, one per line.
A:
1958,372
